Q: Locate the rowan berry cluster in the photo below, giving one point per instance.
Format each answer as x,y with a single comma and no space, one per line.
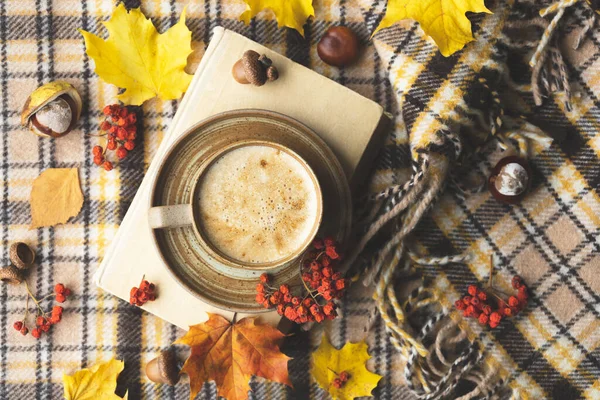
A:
120,127
44,320
61,292
341,380
490,306
321,286
143,294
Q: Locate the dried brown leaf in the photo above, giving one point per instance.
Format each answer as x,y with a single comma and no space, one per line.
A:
230,354
55,197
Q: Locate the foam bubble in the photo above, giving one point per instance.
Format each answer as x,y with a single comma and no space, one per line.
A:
258,204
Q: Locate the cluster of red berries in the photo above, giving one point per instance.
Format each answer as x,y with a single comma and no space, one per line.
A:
341,380
44,321
61,292
322,285
489,306
318,270
143,294
120,127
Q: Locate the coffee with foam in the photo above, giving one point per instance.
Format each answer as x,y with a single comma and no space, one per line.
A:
258,204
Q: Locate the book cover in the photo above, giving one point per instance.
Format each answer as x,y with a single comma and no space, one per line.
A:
352,125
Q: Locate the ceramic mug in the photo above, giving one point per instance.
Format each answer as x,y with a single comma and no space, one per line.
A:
186,215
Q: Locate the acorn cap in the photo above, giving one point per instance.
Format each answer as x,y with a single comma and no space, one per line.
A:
163,369
21,255
254,69
10,275
43,96
272,73
266,61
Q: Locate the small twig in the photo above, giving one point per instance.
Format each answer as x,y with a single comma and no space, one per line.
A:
46,297
42,312
306,297
26,309
304,283
234,318
308,290
493,293
496,293
269,286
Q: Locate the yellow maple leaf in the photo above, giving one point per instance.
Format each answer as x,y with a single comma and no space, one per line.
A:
55,197
98,382
328,363
136,57
290,13
443,20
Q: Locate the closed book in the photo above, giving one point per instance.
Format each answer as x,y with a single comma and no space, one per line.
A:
352,125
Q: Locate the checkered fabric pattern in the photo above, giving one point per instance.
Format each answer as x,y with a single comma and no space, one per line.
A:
549,351
550,239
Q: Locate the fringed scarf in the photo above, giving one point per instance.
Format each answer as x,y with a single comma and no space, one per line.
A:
455,116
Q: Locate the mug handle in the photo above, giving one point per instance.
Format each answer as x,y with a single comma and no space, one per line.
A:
170,216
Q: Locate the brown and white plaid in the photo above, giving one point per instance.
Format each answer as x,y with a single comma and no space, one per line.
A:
549,351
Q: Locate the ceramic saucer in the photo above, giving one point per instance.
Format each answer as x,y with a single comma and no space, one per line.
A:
179,247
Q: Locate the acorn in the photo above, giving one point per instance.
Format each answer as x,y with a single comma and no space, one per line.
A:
10,275
164,368
21,255
52,110
254,68
510,180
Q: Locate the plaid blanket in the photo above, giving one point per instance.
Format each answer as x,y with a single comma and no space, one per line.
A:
549,351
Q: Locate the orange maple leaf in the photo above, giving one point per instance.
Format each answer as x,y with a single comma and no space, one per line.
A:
230,354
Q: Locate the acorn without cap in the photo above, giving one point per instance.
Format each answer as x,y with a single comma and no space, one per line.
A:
254,68
510,180
21,255
164,368
52,110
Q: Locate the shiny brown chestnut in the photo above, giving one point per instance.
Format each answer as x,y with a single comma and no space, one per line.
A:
338,47
510,180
